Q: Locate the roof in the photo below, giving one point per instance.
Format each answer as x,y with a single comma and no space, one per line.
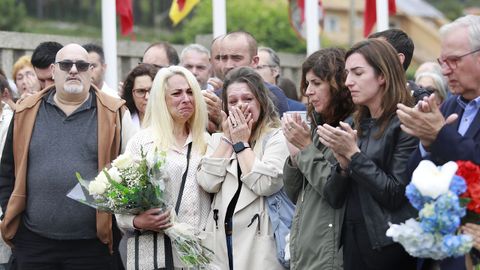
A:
418,8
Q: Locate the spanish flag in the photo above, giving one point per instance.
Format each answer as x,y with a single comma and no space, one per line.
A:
180,9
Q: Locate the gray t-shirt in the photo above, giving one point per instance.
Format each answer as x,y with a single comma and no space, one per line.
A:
60,146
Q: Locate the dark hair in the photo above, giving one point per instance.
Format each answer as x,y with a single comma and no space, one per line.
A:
400,41
288,87
268,116
140,70
5,85
329,65
381,56
90,47
170,51
44,55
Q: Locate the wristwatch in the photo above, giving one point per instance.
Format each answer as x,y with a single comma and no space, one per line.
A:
240,146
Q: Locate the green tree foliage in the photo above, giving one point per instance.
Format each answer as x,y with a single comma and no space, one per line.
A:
13,15
453,9
266,20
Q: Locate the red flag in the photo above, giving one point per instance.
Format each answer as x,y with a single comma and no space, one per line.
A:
301,6
370,14
124,10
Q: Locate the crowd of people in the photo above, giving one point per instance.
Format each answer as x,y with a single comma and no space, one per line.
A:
232,129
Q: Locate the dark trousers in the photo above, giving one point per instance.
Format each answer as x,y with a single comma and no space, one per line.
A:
359,255
32,251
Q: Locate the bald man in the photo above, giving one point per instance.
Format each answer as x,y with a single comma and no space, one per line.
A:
66,128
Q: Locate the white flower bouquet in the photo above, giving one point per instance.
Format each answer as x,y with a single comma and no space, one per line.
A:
133,186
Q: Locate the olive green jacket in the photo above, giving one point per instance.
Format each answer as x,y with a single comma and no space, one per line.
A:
316,226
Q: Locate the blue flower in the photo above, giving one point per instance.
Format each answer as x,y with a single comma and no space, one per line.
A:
458,185
456,245
415,197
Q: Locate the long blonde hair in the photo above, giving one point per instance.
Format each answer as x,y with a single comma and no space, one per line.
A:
158,118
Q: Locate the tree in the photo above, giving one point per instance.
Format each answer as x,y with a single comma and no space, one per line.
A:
13,15
266,20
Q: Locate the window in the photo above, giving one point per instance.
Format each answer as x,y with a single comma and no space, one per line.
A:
332,24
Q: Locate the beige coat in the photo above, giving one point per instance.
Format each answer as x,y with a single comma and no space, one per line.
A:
253,246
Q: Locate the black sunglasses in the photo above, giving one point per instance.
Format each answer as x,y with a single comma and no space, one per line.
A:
67,65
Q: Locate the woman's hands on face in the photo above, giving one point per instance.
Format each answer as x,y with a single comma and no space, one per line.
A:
342,140
153,220
33,84
239,124
296,131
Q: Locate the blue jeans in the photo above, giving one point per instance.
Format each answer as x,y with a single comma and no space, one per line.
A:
229,250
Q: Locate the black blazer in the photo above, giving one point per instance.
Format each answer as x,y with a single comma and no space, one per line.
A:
449,144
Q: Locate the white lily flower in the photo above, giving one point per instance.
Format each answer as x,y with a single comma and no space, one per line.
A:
102,178
431,180
115,174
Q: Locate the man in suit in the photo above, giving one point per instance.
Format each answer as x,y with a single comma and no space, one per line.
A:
451,132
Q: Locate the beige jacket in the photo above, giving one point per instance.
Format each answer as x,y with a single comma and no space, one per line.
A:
254,245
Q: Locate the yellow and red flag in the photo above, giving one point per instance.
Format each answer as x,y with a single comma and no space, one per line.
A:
180,9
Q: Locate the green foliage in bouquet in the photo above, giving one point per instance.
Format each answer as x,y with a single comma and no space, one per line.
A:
129,186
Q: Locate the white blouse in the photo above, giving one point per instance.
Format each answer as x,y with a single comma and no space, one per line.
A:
195,204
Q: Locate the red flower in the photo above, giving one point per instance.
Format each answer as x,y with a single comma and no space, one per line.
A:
471,173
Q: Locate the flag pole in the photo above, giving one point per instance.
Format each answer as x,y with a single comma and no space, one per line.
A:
351,28
312,26
109,40
219,13
382,15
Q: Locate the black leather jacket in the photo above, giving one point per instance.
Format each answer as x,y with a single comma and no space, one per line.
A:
380,171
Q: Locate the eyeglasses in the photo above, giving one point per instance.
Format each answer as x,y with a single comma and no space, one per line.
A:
67,65
140,93
452,61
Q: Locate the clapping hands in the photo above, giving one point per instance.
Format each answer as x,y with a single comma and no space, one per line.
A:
297,133
342,140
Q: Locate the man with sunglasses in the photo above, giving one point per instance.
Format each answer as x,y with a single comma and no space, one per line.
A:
452,132
66,128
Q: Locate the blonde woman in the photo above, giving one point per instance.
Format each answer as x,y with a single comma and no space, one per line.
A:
175,121
25,77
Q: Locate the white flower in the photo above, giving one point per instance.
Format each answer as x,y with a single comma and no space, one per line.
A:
115,174
431,180
102,178
97,187
123,161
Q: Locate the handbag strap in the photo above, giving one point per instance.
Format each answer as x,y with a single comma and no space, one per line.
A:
137,236
166,240
184,179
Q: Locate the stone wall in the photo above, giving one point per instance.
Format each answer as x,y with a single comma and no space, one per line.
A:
14,45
